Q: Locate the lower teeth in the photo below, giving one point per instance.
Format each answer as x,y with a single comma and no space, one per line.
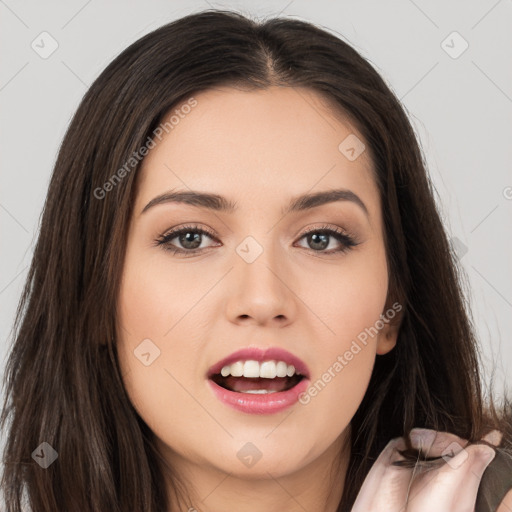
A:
258,391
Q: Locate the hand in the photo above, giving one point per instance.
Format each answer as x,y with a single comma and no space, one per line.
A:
451,486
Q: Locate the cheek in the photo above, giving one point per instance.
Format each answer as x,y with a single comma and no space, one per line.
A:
153,297
162,398
351,298
153,303
350,309
334,396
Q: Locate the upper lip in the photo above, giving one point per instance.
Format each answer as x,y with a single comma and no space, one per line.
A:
259,354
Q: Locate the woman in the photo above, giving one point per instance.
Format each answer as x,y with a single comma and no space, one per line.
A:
310,350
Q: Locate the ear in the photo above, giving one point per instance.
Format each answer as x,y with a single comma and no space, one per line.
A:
386,340
392,319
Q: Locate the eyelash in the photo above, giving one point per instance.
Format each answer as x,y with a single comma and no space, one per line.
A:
347,241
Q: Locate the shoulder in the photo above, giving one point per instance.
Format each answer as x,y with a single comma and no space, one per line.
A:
495,491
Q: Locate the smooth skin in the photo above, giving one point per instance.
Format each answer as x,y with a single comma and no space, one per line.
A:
258,149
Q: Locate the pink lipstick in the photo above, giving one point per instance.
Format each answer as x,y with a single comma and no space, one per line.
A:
257,381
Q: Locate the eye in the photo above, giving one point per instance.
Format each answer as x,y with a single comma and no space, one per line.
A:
318,239
190,238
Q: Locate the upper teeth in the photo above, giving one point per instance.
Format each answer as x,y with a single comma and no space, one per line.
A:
255,369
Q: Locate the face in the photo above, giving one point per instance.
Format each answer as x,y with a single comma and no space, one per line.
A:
259,277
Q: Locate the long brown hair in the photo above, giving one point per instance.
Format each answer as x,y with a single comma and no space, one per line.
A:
63,382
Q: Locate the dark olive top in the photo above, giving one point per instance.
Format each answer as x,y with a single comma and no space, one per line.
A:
495,483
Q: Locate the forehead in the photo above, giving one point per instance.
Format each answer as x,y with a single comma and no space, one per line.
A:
274,143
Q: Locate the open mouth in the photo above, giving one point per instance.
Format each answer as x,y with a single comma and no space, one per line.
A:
256,381
256,385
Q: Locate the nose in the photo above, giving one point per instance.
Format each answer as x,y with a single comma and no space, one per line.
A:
262,291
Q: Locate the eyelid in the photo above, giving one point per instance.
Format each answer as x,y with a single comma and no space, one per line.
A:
329,227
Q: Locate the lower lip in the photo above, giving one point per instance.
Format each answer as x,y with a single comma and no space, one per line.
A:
268,403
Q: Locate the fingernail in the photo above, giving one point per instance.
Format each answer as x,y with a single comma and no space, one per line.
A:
494,437
486,454
422,438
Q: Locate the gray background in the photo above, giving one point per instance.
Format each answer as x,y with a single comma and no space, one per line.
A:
461,109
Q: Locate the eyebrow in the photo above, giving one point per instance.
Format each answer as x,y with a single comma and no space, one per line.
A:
220,203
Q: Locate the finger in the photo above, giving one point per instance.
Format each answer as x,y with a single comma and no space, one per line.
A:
494,437
436,444
454,486
385,486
